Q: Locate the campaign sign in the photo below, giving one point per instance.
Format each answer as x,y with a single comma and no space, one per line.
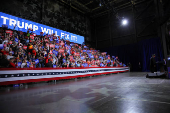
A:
23,25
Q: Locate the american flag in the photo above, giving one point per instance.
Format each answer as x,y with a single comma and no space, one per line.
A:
24,47
76,54
43,74
10,42
34,34
69,47
62,43
36,61
61,50
16,39
52,45
71,57
9,31
104,53
32,37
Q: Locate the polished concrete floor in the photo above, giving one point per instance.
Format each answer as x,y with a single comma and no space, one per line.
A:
129,92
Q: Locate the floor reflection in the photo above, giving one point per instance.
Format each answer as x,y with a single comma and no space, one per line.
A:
118,93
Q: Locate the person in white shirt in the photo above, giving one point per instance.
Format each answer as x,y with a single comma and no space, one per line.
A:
54,59
5,41
165,66
10,56
23,64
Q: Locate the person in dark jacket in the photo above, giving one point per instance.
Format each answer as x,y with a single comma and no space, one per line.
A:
3,61
153,64
64,65
139,67
49,64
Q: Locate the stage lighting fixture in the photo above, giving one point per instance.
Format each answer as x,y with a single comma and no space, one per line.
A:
124,22
168,58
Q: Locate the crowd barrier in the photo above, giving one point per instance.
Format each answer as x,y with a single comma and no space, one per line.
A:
10,76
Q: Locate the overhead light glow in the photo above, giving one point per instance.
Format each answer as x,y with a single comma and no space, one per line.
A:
168,58
124,22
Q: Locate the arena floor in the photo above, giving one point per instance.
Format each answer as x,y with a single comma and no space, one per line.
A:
129,92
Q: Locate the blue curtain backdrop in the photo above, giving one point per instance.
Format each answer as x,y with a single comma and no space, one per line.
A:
138,52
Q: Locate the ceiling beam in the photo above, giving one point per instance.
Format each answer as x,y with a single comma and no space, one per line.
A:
80,5
72,6
143,11
88,3
102,5
126,5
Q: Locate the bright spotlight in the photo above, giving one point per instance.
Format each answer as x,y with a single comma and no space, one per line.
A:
124,22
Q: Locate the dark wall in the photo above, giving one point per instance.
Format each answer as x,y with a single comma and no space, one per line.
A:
107,30
49,12
135,42
138,52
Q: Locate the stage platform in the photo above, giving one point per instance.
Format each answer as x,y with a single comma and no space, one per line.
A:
129,92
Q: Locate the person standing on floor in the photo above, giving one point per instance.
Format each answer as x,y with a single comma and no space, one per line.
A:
140,67
165,67
153,64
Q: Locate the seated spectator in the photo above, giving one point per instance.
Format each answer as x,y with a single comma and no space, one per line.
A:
10,56
64,65
21,51
41,61
11,63
33,58
24,64
49,64
78,64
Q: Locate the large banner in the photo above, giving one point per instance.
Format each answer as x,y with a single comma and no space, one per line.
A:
23,25
24,75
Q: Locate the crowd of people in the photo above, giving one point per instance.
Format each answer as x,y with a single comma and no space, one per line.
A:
28,50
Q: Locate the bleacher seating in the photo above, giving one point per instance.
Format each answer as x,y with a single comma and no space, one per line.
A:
27,50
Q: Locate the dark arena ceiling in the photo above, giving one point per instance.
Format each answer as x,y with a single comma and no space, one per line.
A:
98,7
95,19
95,8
